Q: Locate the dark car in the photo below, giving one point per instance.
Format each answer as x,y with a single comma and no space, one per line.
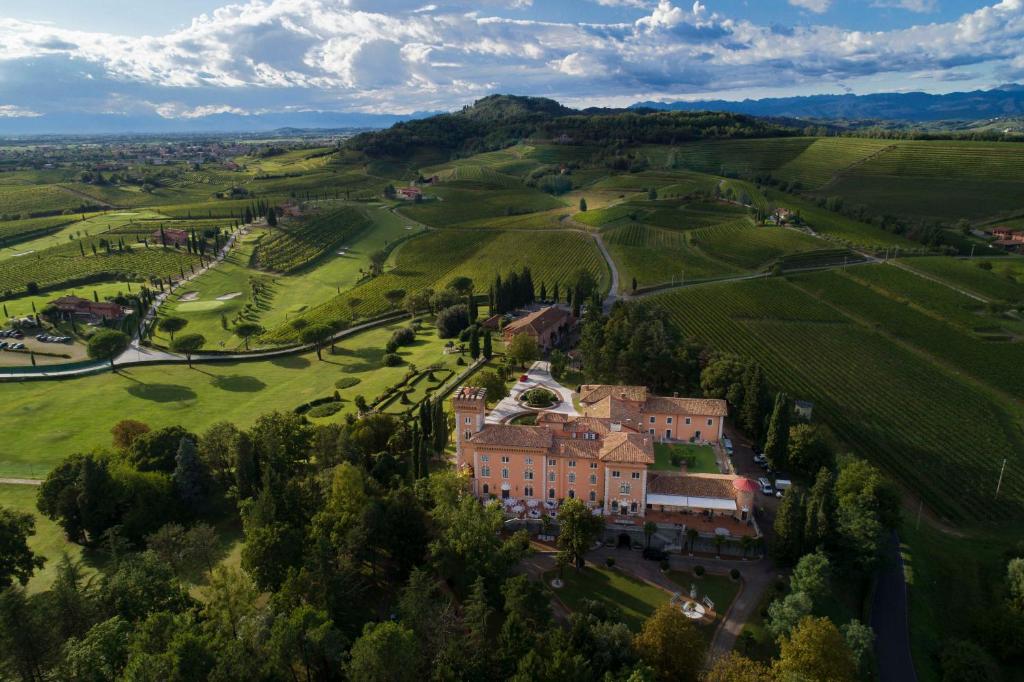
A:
655,554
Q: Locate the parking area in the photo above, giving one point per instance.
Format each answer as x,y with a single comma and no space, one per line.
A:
18,346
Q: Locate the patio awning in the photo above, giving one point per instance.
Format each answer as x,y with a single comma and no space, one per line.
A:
687,502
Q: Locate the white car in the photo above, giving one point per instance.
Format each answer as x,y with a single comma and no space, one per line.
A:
766,486
728,445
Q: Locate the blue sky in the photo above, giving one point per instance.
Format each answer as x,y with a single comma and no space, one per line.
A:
188,58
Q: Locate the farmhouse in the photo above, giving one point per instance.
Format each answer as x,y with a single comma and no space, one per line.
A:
408,193
170,237
548,326
73,306
604,457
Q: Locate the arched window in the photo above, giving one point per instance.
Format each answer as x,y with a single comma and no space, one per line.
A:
487,489
593,496
551,493
572,494
528,491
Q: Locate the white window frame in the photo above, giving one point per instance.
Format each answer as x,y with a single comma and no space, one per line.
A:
504,473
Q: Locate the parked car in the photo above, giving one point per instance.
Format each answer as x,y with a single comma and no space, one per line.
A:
761,459
524,377
782,485
727,443
766,486
655,554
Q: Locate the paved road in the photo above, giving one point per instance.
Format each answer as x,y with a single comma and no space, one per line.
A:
890,619
538,375
613,292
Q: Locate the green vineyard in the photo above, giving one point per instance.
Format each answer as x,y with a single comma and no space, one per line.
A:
939,434
432,260
65,264
295,245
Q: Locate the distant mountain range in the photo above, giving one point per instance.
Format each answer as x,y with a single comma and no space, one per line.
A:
122,124
1006,101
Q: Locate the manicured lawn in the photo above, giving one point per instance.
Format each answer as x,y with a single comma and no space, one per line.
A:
289,295
44,421
700,458
48,542
636,599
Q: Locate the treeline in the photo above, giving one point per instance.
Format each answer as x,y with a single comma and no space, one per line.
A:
499,121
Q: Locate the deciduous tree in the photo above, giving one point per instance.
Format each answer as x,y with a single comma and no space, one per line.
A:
815,650
671,644
107,344
17,561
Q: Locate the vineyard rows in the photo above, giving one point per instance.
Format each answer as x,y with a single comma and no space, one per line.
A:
749,247
816,165
1004,282
948,159
936,433
294,245
26,200
432,260
54,266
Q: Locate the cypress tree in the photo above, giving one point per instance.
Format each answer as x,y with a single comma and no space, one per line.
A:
543,292
424,458
634,285
819,522
776,442
789,528
487,352
425,418
188,475
751,418
440,427
474,344
554,296
272,218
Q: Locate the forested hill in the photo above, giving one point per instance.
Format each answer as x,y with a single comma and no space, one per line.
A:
498,121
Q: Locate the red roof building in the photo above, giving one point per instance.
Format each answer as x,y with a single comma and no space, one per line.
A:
171,237
81,307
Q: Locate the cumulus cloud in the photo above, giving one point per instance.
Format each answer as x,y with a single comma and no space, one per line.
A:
363,56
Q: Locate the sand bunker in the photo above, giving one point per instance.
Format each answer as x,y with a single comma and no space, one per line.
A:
190,296
228,297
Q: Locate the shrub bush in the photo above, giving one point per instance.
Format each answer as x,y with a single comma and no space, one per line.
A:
664,564
325,410
346,382
734,574
392,360
451,321
609,561
539,397
403,336
698,571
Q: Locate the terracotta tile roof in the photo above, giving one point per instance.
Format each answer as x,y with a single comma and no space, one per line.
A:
630,448
692,485
626,413
592,393
702,407
539,321
580,449
513,435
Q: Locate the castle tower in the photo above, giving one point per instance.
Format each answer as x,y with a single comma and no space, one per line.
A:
470,406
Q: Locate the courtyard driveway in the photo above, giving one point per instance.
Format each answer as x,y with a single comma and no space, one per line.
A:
538,375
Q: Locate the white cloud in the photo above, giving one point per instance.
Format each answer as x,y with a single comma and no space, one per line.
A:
325,54
14,111
919,6
816,6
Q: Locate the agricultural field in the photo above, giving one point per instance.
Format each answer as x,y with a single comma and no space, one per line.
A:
432,260
79,414
749,247
281,297
453,206
13,232
938,431
1003,282
655,256
839,228
826,156
31,200
66,264
738,157
296,244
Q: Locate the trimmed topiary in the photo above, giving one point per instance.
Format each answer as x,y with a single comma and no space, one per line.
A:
346,382
325,410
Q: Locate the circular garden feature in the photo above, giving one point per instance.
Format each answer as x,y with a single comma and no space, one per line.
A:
538,398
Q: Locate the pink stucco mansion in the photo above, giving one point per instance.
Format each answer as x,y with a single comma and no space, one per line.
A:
605,456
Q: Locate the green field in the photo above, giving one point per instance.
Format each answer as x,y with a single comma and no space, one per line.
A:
1003,282
699,459
655,256
48,542
634,598
47,420
432,260
916,413
840,228
453,206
